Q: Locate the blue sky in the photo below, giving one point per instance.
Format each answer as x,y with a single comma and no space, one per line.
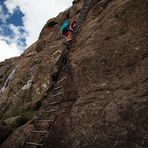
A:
11,24
21,22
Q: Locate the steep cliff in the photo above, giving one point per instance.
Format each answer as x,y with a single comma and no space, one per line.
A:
105,92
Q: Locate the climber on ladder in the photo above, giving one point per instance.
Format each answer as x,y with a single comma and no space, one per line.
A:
68,27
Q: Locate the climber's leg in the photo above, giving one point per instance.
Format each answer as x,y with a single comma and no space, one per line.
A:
69,36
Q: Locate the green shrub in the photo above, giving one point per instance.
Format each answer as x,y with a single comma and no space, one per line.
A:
13,113
23,118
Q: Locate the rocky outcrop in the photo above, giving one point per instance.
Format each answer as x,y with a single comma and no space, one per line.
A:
110,76
5,131
107,77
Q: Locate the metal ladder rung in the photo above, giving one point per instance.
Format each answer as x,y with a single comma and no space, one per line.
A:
40,132
57,88
46,120
54,103
36,144
57,94
62,79
62,74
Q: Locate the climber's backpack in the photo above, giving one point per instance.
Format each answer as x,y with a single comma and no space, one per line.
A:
65,27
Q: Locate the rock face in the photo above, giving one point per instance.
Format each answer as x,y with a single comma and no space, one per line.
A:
5,131
108,77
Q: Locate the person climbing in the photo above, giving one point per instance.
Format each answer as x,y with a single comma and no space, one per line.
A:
67,28
73,25
65,25
70,33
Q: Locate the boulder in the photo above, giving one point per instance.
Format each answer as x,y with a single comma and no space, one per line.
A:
5,132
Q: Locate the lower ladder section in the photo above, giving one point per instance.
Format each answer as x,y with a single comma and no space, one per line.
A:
33,144
40,132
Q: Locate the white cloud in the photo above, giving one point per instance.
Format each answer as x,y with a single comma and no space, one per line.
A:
7,51
37,12
3,17
11,42
18,33
1,12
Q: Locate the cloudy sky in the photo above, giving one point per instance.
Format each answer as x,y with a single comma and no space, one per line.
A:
22,20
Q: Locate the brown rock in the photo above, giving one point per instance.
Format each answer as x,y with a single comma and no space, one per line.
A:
5,131
107,78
